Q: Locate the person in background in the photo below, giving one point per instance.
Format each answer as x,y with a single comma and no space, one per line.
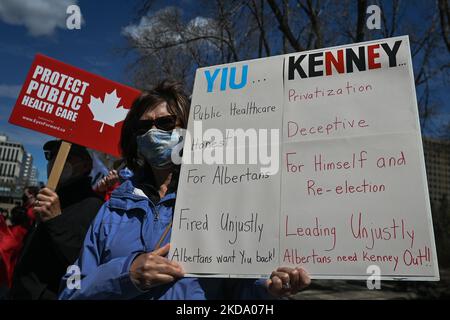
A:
28,199
63,217
124,252
4,212
12,235
4,265
11,241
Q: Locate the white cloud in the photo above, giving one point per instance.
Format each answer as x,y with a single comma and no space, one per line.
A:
167,26
8,91
40,17
155,27
137,30
200,22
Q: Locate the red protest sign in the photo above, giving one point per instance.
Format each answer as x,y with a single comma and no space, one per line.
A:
73,105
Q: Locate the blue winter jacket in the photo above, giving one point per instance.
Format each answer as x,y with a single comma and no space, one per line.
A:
126,226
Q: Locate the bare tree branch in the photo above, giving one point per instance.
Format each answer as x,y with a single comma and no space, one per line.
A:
258,14
361,20
313,15
444,13
232,30
284,27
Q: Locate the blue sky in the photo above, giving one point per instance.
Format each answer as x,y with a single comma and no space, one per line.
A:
96,48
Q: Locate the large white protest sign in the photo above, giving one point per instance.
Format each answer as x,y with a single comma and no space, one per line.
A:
312,159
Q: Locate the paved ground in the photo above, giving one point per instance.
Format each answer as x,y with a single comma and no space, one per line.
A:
357,290
344,290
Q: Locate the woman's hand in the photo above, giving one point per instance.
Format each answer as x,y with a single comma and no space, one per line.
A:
107,182
153,269
286,281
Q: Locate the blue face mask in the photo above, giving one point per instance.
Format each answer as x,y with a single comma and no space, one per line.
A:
156,146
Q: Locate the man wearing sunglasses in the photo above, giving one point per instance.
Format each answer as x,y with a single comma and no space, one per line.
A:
63,217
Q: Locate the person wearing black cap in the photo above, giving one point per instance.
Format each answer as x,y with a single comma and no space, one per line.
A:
63,219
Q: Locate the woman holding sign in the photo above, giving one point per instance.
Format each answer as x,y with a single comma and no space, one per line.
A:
124,253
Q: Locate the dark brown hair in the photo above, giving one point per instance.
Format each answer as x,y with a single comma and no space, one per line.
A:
178,104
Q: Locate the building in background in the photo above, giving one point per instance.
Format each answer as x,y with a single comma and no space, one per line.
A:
16,166
437,162
16,172
11,169
11,158
27,165
33,179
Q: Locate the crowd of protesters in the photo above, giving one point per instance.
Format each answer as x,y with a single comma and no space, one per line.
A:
43,235
13,229
116,233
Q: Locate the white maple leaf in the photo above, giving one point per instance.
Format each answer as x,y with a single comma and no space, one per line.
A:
107,111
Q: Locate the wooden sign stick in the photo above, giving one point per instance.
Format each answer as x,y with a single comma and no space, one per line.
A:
58,165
